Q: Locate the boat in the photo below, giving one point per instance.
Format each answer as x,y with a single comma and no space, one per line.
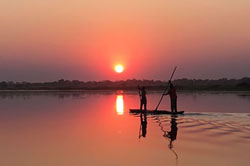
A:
154,112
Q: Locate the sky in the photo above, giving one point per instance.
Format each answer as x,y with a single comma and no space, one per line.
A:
47,40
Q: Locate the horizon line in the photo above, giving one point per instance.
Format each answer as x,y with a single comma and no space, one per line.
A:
62,79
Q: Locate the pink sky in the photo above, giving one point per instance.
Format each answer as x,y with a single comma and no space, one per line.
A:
45,40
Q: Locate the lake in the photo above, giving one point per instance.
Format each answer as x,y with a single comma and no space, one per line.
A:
94,128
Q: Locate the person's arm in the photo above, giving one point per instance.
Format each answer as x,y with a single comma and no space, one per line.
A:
166,93
139,88
140,92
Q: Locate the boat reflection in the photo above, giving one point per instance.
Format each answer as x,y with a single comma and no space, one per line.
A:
170,135
119,105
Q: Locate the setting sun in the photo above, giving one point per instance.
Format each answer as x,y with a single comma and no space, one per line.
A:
119,68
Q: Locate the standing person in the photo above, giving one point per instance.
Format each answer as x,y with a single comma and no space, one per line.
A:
143,97
173,97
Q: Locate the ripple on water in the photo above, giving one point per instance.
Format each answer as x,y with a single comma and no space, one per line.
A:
215,126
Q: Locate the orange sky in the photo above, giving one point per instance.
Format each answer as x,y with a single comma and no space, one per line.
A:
47,40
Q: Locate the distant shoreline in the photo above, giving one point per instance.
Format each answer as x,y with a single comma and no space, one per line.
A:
184,84
120,91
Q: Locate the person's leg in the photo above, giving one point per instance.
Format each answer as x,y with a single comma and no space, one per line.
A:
172,105
175,105
145,106
141,105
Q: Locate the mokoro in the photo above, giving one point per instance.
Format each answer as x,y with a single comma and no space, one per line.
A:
138,111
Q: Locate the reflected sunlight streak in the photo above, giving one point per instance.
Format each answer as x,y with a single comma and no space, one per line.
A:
119,105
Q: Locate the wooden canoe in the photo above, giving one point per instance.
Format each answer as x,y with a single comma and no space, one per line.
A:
138,111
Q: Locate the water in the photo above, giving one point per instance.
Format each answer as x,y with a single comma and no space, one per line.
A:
95,128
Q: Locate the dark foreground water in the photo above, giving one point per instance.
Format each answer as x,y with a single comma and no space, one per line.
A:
95,129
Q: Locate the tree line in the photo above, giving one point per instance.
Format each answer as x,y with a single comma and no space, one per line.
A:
242,84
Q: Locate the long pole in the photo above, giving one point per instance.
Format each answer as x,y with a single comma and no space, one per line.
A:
166,88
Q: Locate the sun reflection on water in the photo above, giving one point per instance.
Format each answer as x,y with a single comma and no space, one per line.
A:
119,105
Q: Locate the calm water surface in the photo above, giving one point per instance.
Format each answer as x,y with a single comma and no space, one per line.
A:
95,128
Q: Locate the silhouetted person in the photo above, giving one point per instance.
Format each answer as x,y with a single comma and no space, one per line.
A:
143,97
172,134
143,118
173,97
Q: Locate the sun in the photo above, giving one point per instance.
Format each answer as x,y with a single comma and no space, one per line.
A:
119,68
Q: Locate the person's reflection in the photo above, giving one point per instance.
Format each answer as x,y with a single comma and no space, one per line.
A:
172,134
143,127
